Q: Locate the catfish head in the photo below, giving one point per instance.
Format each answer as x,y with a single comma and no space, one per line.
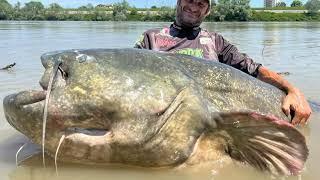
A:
110,105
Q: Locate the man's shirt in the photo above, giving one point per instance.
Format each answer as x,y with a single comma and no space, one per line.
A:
200,43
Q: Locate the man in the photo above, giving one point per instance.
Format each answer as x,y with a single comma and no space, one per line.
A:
186,37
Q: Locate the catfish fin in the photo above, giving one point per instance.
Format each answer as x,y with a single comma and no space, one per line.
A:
265,142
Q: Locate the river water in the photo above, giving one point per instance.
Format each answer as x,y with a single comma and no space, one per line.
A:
283,47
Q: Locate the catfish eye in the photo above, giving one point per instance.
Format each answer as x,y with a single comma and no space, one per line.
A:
60,76
63,73
81,58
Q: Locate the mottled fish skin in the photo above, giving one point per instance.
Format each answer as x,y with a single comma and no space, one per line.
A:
137,107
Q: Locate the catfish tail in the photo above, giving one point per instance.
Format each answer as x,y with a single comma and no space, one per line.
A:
266,143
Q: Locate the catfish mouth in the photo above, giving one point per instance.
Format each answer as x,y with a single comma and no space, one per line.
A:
27,107
30,105
19,105
24,112
25,98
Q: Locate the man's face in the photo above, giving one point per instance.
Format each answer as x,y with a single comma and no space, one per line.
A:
190,13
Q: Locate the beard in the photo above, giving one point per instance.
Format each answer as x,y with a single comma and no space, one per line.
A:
183,20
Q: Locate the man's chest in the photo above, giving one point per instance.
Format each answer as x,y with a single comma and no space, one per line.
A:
202,46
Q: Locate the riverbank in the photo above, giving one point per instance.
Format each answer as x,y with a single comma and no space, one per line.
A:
158,16
285,16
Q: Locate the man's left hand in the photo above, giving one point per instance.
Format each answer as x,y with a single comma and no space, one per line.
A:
295,104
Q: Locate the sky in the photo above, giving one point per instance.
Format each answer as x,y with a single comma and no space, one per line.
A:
136,3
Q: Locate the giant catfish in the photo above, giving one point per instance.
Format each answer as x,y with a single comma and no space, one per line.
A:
152,109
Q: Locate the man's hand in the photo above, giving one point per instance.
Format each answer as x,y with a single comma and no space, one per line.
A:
295,104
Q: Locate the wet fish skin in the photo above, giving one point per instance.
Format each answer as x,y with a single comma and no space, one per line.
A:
143,108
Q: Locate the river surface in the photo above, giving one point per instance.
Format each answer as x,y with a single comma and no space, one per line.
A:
282,47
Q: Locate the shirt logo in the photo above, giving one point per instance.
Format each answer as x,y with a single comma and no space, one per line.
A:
191,52
162,42
205,40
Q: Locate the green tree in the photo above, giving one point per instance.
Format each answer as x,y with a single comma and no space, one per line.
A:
17,6
166,8
55,7
5,4
54,12
229,10
87,7
83,8
213,3
34,6
90,6
33,10
133,11
313,6
16,15
281,4
166,13
120,11
5,10
120,16
296,3
101,16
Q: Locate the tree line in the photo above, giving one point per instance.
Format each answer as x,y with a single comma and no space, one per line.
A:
222,10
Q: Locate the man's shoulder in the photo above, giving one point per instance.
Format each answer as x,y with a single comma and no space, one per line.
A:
148,36
163,30
154,30
205,32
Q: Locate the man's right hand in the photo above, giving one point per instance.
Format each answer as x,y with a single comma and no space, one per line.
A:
296,104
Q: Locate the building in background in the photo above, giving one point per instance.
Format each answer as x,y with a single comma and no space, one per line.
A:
106,6
270,3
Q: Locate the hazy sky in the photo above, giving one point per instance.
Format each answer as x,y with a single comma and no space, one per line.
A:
136,3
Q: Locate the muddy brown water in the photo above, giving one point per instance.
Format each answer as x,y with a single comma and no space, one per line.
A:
282,47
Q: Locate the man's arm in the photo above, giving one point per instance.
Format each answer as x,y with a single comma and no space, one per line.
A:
294,103
230,55
146,40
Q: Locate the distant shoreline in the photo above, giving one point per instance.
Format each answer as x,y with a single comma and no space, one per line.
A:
123,11
168,16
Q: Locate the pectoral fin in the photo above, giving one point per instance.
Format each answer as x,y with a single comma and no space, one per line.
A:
267,143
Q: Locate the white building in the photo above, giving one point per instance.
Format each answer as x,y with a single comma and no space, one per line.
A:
270,3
